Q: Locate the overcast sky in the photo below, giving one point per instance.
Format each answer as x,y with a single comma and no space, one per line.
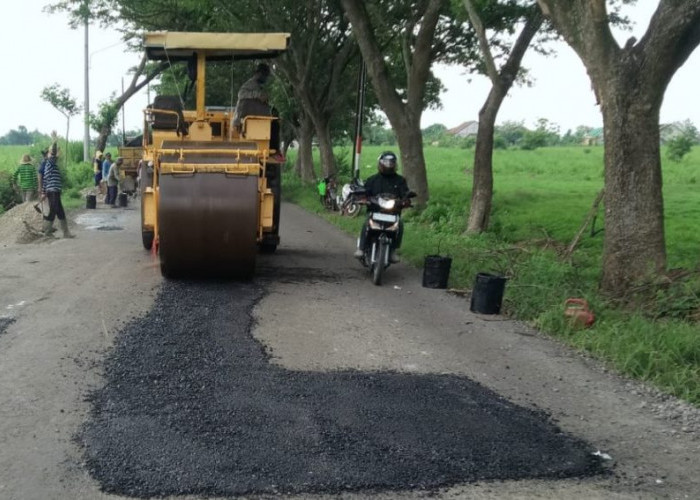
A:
39,50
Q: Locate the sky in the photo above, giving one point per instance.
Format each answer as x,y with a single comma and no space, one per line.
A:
40,49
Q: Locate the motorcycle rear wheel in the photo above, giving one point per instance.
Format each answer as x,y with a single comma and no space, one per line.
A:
351,209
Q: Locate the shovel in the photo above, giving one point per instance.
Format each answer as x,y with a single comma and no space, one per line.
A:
39,207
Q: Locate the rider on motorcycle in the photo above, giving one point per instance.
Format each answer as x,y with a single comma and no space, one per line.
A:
387,181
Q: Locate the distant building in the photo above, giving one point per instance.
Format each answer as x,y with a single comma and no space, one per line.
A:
466,129
594,137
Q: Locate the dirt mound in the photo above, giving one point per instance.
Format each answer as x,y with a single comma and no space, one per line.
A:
21,224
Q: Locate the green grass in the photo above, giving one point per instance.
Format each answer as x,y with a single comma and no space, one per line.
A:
541,197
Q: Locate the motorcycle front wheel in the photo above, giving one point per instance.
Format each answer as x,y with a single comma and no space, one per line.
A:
378,269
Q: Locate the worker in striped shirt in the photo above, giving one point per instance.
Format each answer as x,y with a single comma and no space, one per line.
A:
51,183
25,179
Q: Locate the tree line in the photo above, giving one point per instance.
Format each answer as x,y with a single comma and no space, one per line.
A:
399,41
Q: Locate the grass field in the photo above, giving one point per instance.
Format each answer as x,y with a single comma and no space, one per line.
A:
541,197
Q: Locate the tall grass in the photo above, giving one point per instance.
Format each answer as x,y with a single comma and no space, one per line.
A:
541,197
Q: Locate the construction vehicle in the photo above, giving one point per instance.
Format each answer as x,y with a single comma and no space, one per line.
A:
131,153
210,191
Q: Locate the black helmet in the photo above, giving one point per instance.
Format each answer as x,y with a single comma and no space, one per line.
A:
386,163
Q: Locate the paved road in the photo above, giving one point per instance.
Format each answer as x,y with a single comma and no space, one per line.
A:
311,379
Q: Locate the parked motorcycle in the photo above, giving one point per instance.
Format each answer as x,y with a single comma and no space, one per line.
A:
352,197
382,229
327,190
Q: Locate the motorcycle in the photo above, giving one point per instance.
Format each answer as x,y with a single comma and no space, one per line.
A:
351,198
327,188
383,223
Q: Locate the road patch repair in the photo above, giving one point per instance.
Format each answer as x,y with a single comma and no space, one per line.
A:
192,405
5,322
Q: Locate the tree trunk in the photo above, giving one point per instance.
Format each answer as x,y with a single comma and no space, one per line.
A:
482,183
105,130
634,246
305,160
325,146
410,140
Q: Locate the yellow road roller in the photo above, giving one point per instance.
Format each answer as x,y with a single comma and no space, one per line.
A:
210,191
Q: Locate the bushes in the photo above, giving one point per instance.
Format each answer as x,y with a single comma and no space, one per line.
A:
8,196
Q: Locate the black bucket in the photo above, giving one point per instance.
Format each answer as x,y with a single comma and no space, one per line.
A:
436,271
123,199
487,294
91,201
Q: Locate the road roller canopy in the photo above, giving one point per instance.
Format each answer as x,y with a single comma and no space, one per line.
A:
179,46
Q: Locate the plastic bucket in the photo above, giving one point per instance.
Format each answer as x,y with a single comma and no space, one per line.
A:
91,201
436,271
487,294
123,200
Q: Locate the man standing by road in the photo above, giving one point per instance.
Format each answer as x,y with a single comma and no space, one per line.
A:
113,182
50,183
106,163
25,179
97,167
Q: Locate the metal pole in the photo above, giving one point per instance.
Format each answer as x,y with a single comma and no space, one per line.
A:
357,146
86,136
123,119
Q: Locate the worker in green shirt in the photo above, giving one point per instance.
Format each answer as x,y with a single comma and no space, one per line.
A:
25,179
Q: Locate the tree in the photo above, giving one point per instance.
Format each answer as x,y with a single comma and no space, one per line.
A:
64,103
399,44
501,81
109,112
629,83
682,143
18,137
82,12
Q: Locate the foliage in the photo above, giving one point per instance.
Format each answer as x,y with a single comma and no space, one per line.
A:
678,147
107,115
682,143
511,132
21,136
60,99
8,196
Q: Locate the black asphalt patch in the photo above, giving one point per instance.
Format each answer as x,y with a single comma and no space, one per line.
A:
191,405
5,322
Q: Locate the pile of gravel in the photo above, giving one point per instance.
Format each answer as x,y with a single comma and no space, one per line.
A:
21,224
191,405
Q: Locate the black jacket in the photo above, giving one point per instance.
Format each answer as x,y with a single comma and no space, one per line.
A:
391,184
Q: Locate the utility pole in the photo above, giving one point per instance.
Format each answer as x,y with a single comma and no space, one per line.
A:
86,137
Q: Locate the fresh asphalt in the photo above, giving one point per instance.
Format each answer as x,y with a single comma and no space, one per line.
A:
192,405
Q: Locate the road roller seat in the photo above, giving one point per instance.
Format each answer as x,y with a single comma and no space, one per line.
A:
168,121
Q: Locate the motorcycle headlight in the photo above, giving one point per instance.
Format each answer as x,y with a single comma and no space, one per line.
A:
387,204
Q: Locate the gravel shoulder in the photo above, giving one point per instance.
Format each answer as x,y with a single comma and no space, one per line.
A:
62,303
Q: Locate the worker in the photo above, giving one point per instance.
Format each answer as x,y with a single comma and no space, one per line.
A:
253,99
97,168
388,181
25,179
50,184
113,182
106,163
